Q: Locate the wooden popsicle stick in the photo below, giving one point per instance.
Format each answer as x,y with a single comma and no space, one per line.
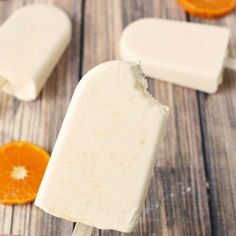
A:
82,230
230,63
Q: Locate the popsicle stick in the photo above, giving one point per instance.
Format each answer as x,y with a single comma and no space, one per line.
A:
230,63
82,230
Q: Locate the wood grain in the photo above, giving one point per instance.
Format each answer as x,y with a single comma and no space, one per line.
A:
177,202
218,118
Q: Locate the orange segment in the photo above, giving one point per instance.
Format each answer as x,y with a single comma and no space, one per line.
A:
22,166
208,8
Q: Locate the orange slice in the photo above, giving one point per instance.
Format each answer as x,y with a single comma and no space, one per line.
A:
208,8
22,166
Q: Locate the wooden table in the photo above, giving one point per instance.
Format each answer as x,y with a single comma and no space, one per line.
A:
193,191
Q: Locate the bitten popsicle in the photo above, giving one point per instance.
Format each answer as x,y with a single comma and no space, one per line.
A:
187,54
32,41
103,159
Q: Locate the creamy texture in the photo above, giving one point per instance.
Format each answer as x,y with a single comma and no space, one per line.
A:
104,156
32,40
186,54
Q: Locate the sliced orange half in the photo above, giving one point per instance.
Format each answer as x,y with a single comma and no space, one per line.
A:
22,166
208,8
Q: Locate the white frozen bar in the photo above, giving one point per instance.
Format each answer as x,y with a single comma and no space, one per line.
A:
32,41
186,54
105,153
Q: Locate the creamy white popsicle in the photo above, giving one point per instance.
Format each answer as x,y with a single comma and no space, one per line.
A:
103,159
32,41
186,54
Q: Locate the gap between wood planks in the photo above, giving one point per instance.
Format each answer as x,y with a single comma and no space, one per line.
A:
202,127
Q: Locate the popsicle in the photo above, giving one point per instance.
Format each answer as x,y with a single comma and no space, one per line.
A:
187,54
32,41
105,153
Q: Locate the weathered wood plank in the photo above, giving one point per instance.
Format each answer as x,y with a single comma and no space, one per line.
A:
218,115
39,122
177,203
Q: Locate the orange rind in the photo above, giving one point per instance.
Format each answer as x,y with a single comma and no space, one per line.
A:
208,8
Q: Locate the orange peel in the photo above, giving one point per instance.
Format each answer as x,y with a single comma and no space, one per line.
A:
208,8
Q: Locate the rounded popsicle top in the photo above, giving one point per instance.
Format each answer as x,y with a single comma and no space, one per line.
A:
161,40
39,16
135,85
41,10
